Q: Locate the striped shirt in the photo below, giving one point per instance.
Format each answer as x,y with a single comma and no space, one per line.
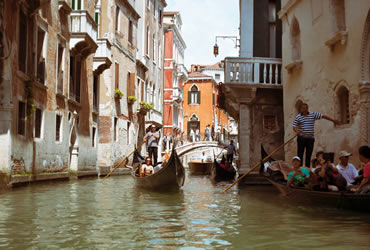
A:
306,123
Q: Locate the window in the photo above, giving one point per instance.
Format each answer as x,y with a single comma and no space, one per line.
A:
117,19
272,28
217,76
338,15
40,54
130,32
343,100
115,128
194,95
22,118
147,41
93,137
58,122
38,123
22,42
295,38
116,84
269,123
76,4
213,98
60,69
95,93
130,84
75,78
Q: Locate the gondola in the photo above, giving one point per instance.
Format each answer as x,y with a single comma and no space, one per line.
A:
219,173
340,199
171,176
200,168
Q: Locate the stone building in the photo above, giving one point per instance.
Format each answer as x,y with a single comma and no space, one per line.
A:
326,64
118,119
253,87
200,104
48,96
175,76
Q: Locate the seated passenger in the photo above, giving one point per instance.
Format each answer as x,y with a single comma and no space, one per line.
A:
364,186
160,165
348,171
299,176
146,168
327,177
315,163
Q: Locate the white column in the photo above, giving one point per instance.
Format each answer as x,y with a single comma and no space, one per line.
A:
244,137
246,28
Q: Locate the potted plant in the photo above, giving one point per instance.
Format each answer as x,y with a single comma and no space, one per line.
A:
131,99
118,93
145,107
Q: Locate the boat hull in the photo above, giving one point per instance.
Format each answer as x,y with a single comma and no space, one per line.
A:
218,173
345,200
200,168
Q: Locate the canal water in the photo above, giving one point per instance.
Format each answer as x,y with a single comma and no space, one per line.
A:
89,214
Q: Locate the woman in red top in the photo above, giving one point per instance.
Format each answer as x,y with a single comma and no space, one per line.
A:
364,187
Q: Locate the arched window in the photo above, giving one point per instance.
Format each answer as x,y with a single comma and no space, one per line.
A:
295,39
343,105
194,95
338,15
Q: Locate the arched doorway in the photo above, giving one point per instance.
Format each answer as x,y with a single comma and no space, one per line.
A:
194,128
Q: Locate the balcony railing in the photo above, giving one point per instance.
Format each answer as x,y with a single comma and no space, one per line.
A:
103,49
253,70
82,22
182,72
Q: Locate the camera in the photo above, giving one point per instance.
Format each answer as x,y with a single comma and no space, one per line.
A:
329,156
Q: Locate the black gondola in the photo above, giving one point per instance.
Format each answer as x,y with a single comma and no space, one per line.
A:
172,175
219,173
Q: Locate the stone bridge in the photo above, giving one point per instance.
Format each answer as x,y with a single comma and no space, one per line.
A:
186,148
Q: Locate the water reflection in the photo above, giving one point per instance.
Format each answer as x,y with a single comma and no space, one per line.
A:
114,214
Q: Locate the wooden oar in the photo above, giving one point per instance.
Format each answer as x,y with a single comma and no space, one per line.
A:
258,163
119,163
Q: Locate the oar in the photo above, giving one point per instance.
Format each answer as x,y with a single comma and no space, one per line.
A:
119,163
258,163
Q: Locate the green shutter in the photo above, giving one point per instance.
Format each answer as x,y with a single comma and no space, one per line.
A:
79,5
198,97
189,97
73,4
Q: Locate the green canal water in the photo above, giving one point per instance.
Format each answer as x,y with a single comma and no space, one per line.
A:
89,214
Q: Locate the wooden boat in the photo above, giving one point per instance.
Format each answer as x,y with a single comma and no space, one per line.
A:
345,200
219,173
172,175
200,168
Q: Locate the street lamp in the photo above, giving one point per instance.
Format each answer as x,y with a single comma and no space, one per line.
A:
233,38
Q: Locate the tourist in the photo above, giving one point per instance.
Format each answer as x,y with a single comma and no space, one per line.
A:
364,186
299,176
303,125
197,134
192,135
160,165
348,171
146,168
152,139
230,152
204,157
327,177
207,133
315,164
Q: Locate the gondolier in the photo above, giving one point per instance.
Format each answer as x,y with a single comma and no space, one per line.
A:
304,125
152,140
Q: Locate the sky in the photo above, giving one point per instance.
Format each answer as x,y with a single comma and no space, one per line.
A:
203,20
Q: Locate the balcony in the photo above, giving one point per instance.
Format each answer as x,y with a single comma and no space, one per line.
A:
265,71
102,58
182,72
83,33
177,95
154,117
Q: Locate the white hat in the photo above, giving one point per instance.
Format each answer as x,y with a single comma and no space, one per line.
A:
296,158
344,154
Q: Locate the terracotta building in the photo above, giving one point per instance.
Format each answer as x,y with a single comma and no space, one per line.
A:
329,70
200,105
48,105
175,76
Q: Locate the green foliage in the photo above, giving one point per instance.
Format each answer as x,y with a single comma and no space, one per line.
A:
146,106
118,93
132,98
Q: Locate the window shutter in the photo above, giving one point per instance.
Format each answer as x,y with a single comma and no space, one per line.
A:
198,97
189,97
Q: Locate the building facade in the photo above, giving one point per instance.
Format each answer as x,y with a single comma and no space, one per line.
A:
329,70
253,87
200,107
48,100
175,74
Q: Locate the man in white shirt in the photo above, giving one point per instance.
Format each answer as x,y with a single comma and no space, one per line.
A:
146,168
347,170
